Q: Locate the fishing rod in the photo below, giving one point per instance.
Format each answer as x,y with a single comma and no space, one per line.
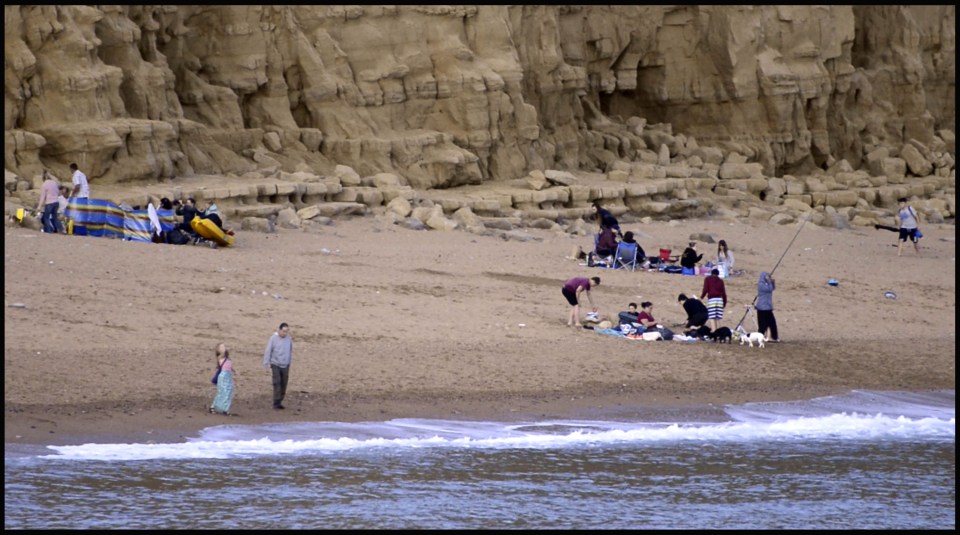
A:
804,222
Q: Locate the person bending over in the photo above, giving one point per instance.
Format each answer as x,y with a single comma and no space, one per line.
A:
605,218
572,290
695,309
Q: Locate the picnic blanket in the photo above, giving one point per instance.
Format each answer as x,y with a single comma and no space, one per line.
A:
620,334
99,217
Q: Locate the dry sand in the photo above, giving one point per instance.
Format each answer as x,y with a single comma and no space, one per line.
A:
116,340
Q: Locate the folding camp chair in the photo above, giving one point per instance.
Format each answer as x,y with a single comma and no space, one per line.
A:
625,257
665,256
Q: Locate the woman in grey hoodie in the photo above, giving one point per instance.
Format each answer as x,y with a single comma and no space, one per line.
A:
765,320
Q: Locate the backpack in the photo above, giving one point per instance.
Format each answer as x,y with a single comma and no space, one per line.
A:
177,237
665,333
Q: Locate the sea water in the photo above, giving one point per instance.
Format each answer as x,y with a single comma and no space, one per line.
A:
864,460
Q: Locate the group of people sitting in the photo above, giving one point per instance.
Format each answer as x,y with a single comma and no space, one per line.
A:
698,324
183,232
609,238
703,320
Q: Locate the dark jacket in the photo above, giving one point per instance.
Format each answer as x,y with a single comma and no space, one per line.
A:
690,258
696,312
188,213
607,219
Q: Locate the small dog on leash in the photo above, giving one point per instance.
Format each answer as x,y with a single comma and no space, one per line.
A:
750,338
723,334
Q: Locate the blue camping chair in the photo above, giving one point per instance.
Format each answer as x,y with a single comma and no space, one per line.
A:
625,257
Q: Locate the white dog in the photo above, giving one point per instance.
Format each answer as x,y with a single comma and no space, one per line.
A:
750,338
652,335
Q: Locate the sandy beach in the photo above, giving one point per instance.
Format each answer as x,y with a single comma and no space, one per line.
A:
113,340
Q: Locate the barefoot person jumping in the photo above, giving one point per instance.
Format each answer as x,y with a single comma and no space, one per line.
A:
572,290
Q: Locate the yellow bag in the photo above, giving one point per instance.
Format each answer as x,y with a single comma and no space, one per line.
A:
19,215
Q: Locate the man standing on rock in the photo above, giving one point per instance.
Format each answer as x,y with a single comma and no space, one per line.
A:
277,357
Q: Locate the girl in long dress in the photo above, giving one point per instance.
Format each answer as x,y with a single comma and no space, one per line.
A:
225,382
724,260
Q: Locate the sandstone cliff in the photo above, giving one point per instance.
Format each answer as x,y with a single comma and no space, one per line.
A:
440,97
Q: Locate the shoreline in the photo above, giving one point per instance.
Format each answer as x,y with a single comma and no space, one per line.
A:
41,428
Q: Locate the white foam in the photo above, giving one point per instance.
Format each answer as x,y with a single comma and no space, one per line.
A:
859,415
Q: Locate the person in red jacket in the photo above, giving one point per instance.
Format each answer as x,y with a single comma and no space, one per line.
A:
716,294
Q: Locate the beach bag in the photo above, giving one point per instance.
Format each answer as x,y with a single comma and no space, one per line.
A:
177,237
673,269
216,376
665,333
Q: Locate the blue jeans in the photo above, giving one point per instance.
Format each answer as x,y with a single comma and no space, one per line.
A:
50,221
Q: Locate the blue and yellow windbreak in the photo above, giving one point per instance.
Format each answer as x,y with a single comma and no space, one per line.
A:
98,217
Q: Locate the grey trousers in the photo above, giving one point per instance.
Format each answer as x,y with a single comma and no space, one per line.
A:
280,377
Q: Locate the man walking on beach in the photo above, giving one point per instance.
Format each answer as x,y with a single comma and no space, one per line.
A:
277,357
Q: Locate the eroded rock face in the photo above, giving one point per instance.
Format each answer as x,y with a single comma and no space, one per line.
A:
447,96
